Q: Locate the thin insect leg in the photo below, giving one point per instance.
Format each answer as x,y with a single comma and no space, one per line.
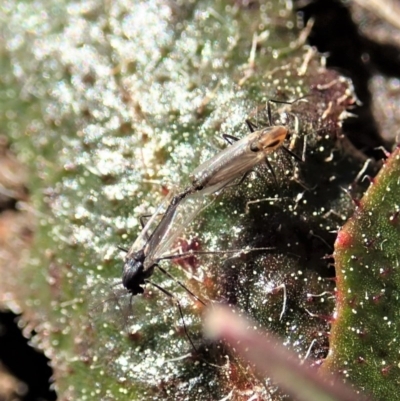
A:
181,284
228,185
271,169
269,112
141,219
289,158
230,138
252,127
185,327
121,248
147,216
245,175
298,158
168,294
143,223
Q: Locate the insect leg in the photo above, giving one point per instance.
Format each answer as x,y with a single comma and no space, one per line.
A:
143,223
269,112
180,284
146,216
245,175
271,170
298,158
230,138
252,126
170,295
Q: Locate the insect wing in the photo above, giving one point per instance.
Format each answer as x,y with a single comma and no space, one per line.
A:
176,223
239,164
208,190
219,168
146,233
248,152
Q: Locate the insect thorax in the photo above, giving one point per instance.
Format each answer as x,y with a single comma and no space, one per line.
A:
134,275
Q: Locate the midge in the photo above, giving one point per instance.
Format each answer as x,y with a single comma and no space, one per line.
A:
141,260
237,160
240,158
148,250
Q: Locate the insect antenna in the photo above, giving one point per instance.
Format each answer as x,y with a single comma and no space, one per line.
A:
287,150
269,101
226,251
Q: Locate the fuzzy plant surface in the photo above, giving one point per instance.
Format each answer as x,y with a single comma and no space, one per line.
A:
111,105
365,331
